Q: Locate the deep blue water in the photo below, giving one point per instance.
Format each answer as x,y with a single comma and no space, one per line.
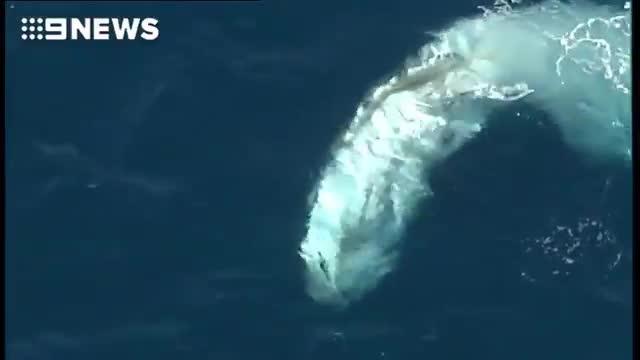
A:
156,196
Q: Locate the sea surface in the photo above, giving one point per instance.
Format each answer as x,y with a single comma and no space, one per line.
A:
157,191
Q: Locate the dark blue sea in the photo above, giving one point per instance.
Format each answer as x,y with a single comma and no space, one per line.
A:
156,195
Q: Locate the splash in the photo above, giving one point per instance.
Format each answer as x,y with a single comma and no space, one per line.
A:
571,60
584,255
585,249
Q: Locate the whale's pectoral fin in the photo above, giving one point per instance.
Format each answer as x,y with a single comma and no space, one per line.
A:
324,267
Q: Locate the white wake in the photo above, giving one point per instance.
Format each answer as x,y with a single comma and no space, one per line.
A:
572,60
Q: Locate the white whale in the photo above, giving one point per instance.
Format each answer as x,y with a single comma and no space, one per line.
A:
571,60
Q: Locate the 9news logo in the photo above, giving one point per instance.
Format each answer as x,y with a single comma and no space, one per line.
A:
41,28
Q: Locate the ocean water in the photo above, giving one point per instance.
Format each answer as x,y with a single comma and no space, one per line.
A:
157,193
